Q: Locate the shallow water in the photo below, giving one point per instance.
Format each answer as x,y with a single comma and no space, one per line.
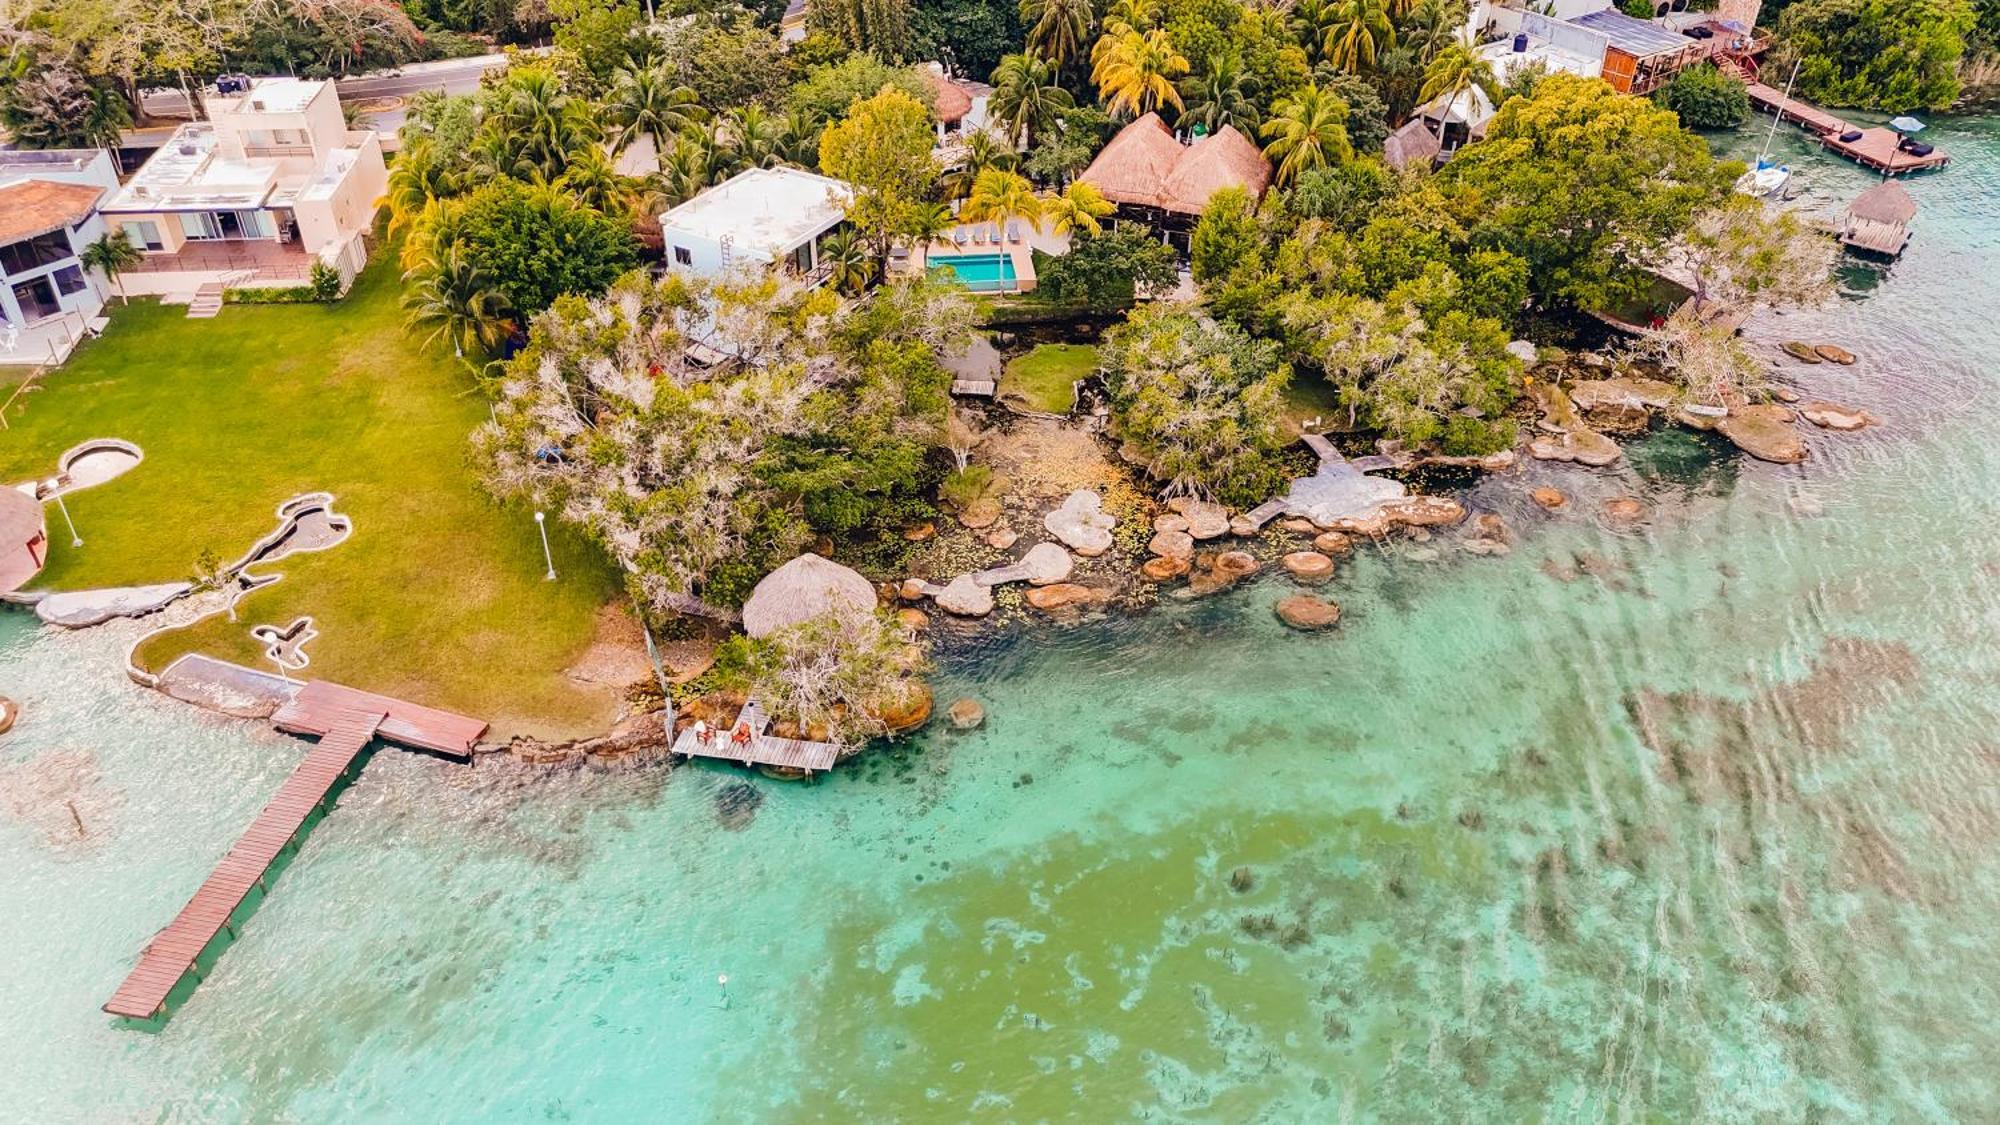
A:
1697,821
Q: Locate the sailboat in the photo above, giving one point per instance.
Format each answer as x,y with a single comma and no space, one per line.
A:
1769,181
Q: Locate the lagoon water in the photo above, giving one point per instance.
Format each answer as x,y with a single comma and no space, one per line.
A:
1700,821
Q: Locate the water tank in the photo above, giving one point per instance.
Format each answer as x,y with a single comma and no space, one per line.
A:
1521,43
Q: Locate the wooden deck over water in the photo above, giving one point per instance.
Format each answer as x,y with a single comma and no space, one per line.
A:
173,951
318,704
762,749
1876,148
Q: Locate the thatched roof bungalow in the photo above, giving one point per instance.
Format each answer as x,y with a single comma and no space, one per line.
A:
1878,220
1412,146
24,539
803,589
1152,176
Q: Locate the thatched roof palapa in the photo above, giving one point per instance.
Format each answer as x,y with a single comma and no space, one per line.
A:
1886,202
1412,146
803,589
953,101
20,524
1145,166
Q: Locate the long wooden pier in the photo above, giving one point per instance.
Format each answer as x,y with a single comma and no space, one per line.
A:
1876,147
173,952
345,721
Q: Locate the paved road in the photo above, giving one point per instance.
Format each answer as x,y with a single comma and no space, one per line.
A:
454,76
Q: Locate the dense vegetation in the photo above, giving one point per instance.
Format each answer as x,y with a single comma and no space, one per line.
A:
1703,97
1895,55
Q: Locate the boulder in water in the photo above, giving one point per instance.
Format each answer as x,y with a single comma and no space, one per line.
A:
1549,498
1062,595
1333,543
1833,353
1237,564
981,513
1303,611
1764,432
1002,538
1172,544
1803,352
1308,566
1830,416
1047,563
1163,568
1082,523
965,597
965,714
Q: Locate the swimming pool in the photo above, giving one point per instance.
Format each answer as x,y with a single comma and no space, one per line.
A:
981,273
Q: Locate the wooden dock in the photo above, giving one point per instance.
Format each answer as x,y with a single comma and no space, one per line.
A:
762,750
173,952
1876,147
345,721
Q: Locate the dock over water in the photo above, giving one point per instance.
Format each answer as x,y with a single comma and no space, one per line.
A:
345,721
762,749
1875,148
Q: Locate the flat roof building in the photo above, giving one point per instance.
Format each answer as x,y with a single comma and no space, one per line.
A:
755,220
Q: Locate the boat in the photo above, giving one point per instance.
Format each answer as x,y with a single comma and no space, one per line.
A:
1765,181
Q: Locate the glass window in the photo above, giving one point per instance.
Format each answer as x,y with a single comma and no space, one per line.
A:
199,225
33,253
683,256
144,234
69,279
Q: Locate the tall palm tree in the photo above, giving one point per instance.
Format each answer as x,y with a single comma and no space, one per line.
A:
1057,28
1455,70
648,103
592,181
1026,97
420,175
1357,31
982,151
850,266
999,195
1220,97
546,120
1077,209
112,254
684,173
1431,26
1307,130
456,300
928,222
1126,17
1136,75
1398,75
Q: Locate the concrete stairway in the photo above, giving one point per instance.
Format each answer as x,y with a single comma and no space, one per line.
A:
207,301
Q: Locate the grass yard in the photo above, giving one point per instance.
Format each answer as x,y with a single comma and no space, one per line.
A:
1045,378
437,596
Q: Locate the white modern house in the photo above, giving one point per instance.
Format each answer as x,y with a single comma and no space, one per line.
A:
760,219
48,214
273,180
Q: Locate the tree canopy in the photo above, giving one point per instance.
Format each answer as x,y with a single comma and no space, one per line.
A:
1895,55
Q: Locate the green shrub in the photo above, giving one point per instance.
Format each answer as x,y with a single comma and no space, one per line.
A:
963,486
1705,98
289,295
325,281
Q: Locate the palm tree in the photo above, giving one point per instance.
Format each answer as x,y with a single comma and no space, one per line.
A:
1356,32
982,151
113,254
1220,97
1398,75
456,301
1136,74
1026,97
850,266
927,222
1307,130
1057,28
1077,209
757,137
418,177
684,173
1454,71
592,181
1431,26
999,195
647,103
548,122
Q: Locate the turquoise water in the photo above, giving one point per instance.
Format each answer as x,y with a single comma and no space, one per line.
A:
1700,821
978,272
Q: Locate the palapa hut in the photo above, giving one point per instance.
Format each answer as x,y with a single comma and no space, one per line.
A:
1155,179
24,539
1412,146
801,590
1878,221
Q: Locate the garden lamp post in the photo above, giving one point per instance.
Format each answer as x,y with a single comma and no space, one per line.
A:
542,527
75,540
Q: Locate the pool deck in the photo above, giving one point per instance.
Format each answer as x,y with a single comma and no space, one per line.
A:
1020,252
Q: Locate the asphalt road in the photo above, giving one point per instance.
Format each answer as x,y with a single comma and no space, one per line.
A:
453,76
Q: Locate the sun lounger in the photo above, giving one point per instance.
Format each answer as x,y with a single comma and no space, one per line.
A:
1014,231
958,236
979,235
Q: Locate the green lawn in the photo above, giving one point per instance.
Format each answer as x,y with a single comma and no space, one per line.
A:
1045,378
438,595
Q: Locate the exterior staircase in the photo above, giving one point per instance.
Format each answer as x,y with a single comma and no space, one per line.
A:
207,301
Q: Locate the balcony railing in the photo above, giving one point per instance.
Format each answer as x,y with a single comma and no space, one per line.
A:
278,150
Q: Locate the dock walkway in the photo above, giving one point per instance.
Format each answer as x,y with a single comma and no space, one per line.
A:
172,953
1876,147
762,750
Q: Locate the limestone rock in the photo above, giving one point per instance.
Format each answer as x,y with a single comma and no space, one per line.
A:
1237,564
1082,523
1834,353
1002,538
1549,498
1333,543
1243,527
1491,526
1062,595
1309,566
1784,394
1303,611
1047,563
1481,545
1830,416
1624,511
1423,554
965,714
1764,432
965,597
1202,583
908,713
1581,444
1172,544
1170,521
981,513
1297,525
1163,568
1409,511
913,619
914,589
1206,519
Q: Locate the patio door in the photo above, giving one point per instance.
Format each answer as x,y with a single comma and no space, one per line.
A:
37,298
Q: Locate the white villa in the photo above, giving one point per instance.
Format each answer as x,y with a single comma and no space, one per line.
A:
48,214
272,180
759,219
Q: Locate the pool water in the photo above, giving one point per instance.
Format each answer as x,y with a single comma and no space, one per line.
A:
985,273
